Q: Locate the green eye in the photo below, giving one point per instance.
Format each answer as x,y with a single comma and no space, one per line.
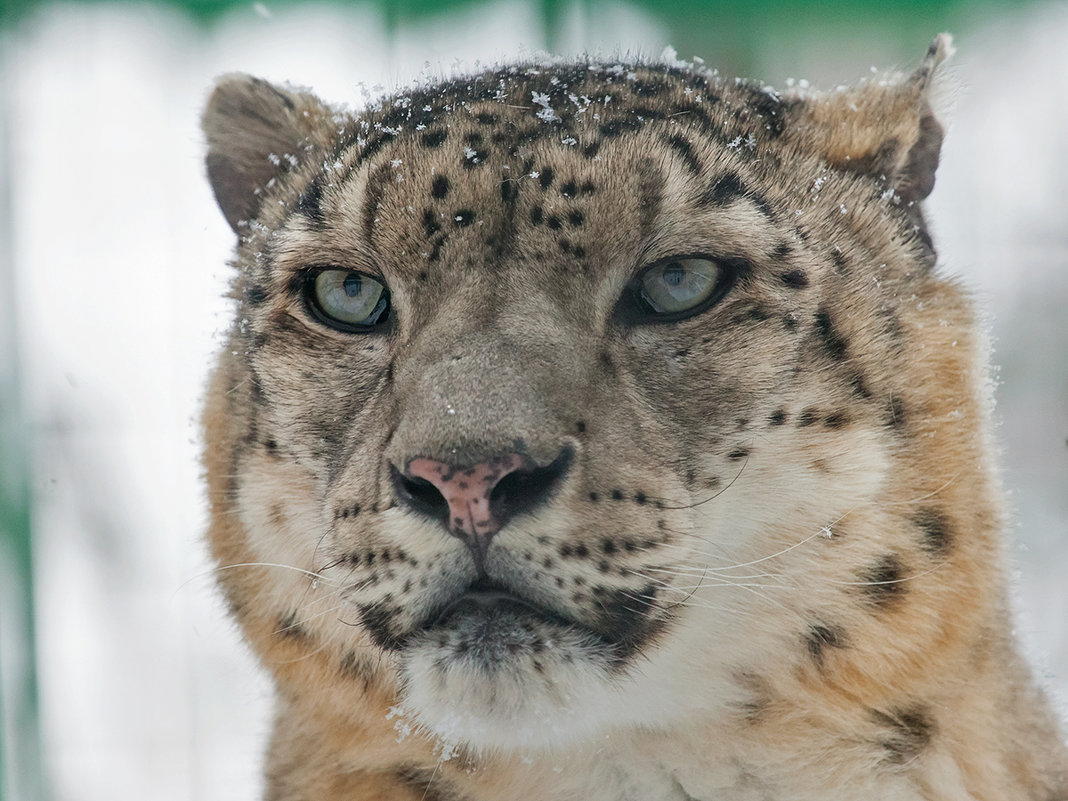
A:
673,287
347,300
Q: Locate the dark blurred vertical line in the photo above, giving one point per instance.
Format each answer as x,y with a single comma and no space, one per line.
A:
21,776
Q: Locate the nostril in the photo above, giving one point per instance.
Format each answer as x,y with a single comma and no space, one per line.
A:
420,494
527,488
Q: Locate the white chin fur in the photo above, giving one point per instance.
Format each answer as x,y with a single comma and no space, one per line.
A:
527,701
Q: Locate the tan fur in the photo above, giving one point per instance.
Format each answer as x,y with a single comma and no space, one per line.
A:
771,567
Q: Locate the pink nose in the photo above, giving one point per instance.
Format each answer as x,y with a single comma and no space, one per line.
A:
467,493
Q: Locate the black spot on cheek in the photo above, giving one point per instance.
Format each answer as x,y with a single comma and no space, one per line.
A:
625,620
883,583
819,638
378,619
795,279
353,667
935,530
836,420
908,732
859,386
290,629
777,418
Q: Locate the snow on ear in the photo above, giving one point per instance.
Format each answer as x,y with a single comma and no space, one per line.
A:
256,132
885,127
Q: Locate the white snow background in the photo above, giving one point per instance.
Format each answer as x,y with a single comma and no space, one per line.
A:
120,259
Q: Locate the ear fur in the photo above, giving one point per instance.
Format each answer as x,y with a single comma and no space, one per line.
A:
884,128
256,132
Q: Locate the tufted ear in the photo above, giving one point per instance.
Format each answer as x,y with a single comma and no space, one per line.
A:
256,132
883,128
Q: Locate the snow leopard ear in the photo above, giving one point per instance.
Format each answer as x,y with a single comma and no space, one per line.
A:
886,127
256,132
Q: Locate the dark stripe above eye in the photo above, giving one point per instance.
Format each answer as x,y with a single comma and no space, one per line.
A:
310,202
729,188
682,146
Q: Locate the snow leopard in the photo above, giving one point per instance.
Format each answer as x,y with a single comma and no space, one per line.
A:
610,431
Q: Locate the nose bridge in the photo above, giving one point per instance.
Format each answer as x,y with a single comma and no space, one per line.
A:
468,392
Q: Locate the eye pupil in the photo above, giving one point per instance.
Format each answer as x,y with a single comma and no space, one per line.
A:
674,274
352,284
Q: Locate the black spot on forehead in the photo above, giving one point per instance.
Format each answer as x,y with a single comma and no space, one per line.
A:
771,108
509,190
435,137
440,187
617,127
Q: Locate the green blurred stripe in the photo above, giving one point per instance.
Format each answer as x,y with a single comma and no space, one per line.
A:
552,10
21,776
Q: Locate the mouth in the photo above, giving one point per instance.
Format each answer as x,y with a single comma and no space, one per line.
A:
487,600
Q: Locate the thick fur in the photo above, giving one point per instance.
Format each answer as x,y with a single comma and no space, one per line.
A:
773,566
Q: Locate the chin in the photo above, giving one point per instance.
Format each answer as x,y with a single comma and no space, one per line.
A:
502,678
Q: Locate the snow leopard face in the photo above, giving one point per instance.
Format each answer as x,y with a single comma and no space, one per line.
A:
570,390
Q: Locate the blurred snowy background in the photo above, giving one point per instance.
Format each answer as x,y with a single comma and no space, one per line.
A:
112,270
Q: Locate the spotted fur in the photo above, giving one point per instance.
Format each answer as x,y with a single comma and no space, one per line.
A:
749,551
